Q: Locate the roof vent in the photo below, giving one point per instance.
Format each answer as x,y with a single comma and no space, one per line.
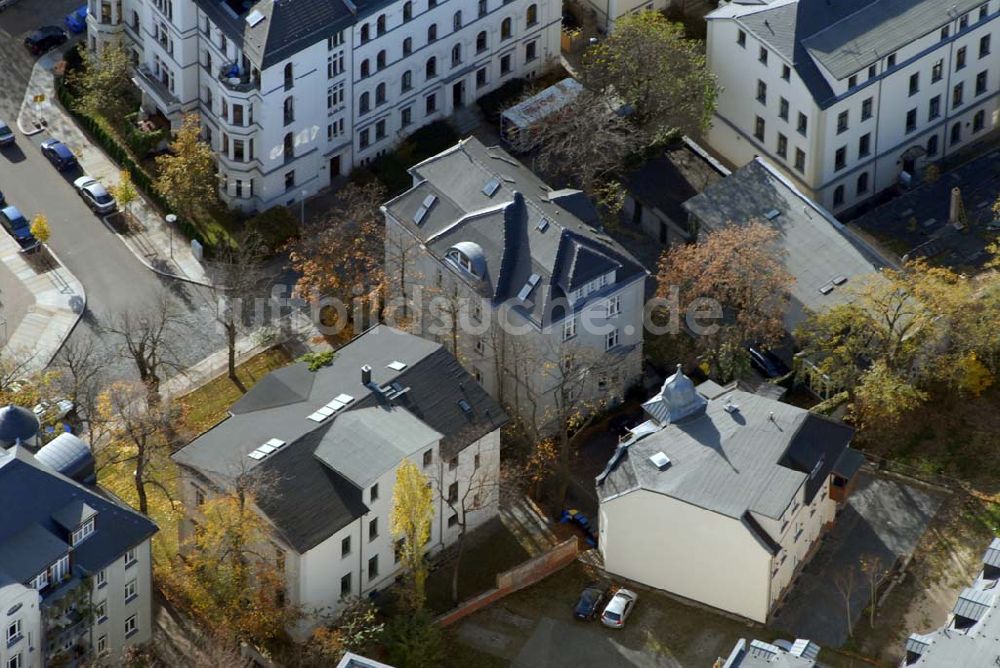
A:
396,365
491,187
660,460
772,214
254,17
528,287
393,390
366,375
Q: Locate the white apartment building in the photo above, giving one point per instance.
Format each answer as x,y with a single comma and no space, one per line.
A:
328,445
851,97
518,281
295,94
721,495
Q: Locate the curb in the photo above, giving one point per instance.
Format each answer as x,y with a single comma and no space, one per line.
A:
83,295
141,258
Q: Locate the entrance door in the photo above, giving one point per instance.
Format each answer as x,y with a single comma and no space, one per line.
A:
334,166
458,95
909,165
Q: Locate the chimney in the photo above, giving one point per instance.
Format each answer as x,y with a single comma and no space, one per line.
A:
366,375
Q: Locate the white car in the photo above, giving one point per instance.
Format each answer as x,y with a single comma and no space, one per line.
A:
618,608
52,410
95,194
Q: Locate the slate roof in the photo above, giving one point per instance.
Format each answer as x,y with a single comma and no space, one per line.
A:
816,250
37,504
565,251
315,479
17,422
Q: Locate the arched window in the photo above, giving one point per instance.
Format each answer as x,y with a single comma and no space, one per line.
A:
932,145
380,60
407,11
289,109
431,69
838,195
456,55
407,46
863,183
956,133
364,103
365,33
380,25
456,21
505,29
289,146
366,68
432,33
289,76
532,17
407,80
481,42
380,94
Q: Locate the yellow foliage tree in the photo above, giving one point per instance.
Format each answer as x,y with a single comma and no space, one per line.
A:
125,193
40,228
186,176
412,512
974,377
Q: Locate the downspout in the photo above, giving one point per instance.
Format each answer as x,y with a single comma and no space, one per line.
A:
878,119
361,557
947,99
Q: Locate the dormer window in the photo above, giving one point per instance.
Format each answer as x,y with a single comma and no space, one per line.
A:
83,532
468,257
462,260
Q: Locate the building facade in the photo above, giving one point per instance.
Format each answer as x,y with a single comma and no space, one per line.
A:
852,97
329,444
293,95
517,280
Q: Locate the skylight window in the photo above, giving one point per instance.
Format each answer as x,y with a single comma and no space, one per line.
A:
257,455
263,450
254,17
425,206
491,187
465,406
660,460
543,225
528,287
772,214
396,365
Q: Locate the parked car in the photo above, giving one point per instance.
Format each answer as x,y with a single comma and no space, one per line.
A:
6,134
58,154
76,20
45,38
95,194
767,363
17,226
50,411
590,602
618,608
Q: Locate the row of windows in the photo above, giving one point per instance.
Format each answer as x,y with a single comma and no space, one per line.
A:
957,99
457,22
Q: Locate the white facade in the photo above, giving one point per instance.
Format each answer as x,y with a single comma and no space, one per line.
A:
289,129
936,94
608,11
20,616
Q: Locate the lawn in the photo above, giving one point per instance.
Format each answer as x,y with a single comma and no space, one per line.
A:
208,405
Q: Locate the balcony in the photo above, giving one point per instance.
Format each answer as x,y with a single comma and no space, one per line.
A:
156,89
239,79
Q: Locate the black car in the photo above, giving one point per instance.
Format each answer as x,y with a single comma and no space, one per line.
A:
45,38
767,363
590,602
58,154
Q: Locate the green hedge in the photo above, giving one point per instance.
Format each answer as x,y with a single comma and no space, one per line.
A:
276,226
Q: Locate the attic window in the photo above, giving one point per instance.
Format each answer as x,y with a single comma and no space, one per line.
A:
839,280
462,260
396,365
254,17
425,206
528,287
660,460
257,455
265,449
543,225
331,407
465,406
772,214
826,289
491,187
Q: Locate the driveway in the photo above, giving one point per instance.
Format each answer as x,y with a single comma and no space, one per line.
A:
884,518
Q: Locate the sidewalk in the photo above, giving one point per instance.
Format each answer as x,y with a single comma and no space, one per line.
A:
160,247
59,302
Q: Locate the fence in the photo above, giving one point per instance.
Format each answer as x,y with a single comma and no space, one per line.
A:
517,578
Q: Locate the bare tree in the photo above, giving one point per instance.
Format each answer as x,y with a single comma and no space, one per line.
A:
14,366
844,582
80,364
874,570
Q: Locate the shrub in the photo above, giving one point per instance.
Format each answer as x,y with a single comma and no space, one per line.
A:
276,227
495,102
317,360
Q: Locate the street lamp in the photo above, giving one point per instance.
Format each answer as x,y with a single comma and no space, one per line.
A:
171,221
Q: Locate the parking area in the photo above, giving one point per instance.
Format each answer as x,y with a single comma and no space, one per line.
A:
884,519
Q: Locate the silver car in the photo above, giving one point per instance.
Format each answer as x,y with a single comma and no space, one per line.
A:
95,194
618,608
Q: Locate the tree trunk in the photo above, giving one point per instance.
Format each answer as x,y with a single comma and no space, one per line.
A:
140,485
230,326
458,562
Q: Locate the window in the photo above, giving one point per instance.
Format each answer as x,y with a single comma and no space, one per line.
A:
14,661
852,81
131,626
130,590
800,160
432,33
614,305
289,180
866,109
453,462
937,71
101,611
428,458
372,529
481,42
453,493
407,46
611,339
505,65
345,546
978,121
366,68
783,109
397,549
862,183
430,69
963,22
956,133
984,46
803,124
430,104
786,72
483,8
453,520
569,329
945,31
101,577
934,107
456,55
289,110
530,51
83,532
289,76
380,60
102,645
762,55
531,18
872,71
475,462
864,145
981,83
364,103
380,130
838,196
239,150
335,96
911,120
761,92
505,29
380,94
840,158
932,145
373,568
366,33
758,128
335,41
914,83
345,585
13,632
960,59
956,95
890,60
406,116
741,38
782,146
380,25
130,557
407,82
373,493
407,11
842,122
456,21
984,10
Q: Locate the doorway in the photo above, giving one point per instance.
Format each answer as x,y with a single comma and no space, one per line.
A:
458,95
334,166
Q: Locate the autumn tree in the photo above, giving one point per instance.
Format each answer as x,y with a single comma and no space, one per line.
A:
104,85
735,277
80,368
883,397
410,522
186,176
647,64
343,256
355,629
125,193
40,228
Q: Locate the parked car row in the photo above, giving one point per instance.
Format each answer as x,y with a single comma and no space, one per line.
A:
620,603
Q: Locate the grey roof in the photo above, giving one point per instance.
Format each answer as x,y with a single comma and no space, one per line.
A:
538,106
281,387
523,228
17,423
992,555
71,456
760,654
36,504
308,500
815,250
677,399
974,603
667,181
73,514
